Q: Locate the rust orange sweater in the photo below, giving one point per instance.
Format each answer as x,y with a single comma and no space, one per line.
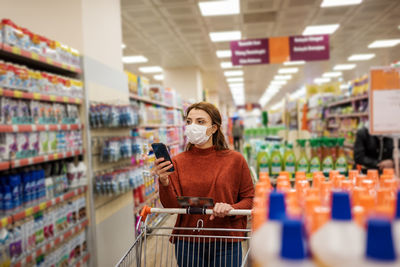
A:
221,175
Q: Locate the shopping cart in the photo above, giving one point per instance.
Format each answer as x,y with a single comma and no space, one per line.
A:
190,247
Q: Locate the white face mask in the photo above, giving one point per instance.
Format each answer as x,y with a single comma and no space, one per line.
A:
197,134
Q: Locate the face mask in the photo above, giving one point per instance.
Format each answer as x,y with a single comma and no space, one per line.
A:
196,134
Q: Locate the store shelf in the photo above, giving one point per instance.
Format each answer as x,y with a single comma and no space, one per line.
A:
31,58
39,96
150,101
51,244
348,100
146,202
38,128
333,126
314,119
42,206
82,260
361,114
5,165
158,126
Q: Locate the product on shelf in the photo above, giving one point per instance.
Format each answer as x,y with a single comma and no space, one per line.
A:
104,115
22,38
22,78
361,213
302,163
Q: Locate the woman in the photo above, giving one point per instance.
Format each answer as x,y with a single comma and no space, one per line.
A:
207,169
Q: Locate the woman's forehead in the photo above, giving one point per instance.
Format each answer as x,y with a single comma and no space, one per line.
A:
198,113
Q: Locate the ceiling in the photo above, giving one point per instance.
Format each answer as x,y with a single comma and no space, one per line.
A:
173,33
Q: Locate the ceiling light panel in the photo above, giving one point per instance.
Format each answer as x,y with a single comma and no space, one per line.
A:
228,65
344,67
320,29
361,57
278,82
333,74
293,63
288,70
384,43
151,69
233,73
224,53
134,59
158,77
239,79
322,80
225,36
219,8
333,3
283,77
123,46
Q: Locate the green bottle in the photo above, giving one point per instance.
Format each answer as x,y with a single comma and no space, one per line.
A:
275,161
262,160
327,162
289,160
341,161
302,163
315,163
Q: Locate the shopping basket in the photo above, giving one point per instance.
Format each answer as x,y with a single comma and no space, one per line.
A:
193,247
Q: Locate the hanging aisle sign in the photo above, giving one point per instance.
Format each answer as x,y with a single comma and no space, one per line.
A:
384,104
280,49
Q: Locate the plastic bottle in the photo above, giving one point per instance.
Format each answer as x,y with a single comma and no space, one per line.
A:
266,241
275,161
262,161
82,172
340,242
380,248
327,161
302,163
396,226
341,161
72,174
289,160
315,162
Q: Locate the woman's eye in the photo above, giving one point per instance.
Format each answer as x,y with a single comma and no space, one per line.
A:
188,122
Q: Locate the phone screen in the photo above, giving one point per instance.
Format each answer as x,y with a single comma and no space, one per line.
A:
161,151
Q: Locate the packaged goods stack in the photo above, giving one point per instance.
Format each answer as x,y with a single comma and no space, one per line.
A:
43,173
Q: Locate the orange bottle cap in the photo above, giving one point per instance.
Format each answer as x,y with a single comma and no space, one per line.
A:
264,177
353,175
337,180
373,175
282,178
367,202
384,211
285,173
300,174
318,173
347,185
359,215
317,180
357,193
283,186
388,171
313,192
359,179
332,174
391,184
326,186
321,215
311,203
383,196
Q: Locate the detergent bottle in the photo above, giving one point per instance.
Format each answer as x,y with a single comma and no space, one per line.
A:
341,161
262,161
340,242
275,161
289,160
266,241
315,162
302,162
327,161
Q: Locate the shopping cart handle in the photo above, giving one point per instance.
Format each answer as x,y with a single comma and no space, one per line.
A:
190,210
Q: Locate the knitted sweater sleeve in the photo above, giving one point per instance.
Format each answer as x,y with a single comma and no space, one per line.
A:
246,190
169,193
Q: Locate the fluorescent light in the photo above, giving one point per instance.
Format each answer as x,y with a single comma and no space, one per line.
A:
344,67
384,43
123,46
277,105
239,79
288,70
225,36
215,8
344,86
224,53
299,93
278,82
233,73
152,69
158,77
333,74
283,77
361,57
236,85
228,65
332,3
321,29
322,80
292,63
134,59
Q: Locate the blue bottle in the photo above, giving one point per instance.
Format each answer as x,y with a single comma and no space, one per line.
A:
15,184
26,188
7,199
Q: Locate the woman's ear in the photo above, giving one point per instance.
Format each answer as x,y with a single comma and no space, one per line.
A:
214,128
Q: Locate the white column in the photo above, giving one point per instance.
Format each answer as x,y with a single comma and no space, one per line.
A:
186,81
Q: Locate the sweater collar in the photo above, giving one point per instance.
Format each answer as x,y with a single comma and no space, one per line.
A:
205,151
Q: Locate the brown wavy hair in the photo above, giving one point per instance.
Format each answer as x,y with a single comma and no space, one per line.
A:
218,137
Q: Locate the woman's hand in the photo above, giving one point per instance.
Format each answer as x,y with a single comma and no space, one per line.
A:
161,169
221,210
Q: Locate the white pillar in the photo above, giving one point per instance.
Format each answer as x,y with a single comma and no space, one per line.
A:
186,81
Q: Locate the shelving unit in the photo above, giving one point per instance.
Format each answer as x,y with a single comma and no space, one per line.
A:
39,96
347,101
20,128
150,101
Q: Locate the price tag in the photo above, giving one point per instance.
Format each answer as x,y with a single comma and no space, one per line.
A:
49,60
4,222
28,212
1,91
65,99
17,94
77,100
34,56
56,156
36,96
64,66
43,206
52,98
16,50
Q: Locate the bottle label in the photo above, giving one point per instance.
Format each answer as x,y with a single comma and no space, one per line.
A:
276,165
302,165
315,165
341,165
327,164
264,167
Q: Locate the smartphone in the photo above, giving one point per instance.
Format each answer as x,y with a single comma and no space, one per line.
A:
161,151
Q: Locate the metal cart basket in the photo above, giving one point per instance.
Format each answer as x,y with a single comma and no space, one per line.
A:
188,247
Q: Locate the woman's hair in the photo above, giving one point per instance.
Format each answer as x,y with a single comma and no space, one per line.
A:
218,137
